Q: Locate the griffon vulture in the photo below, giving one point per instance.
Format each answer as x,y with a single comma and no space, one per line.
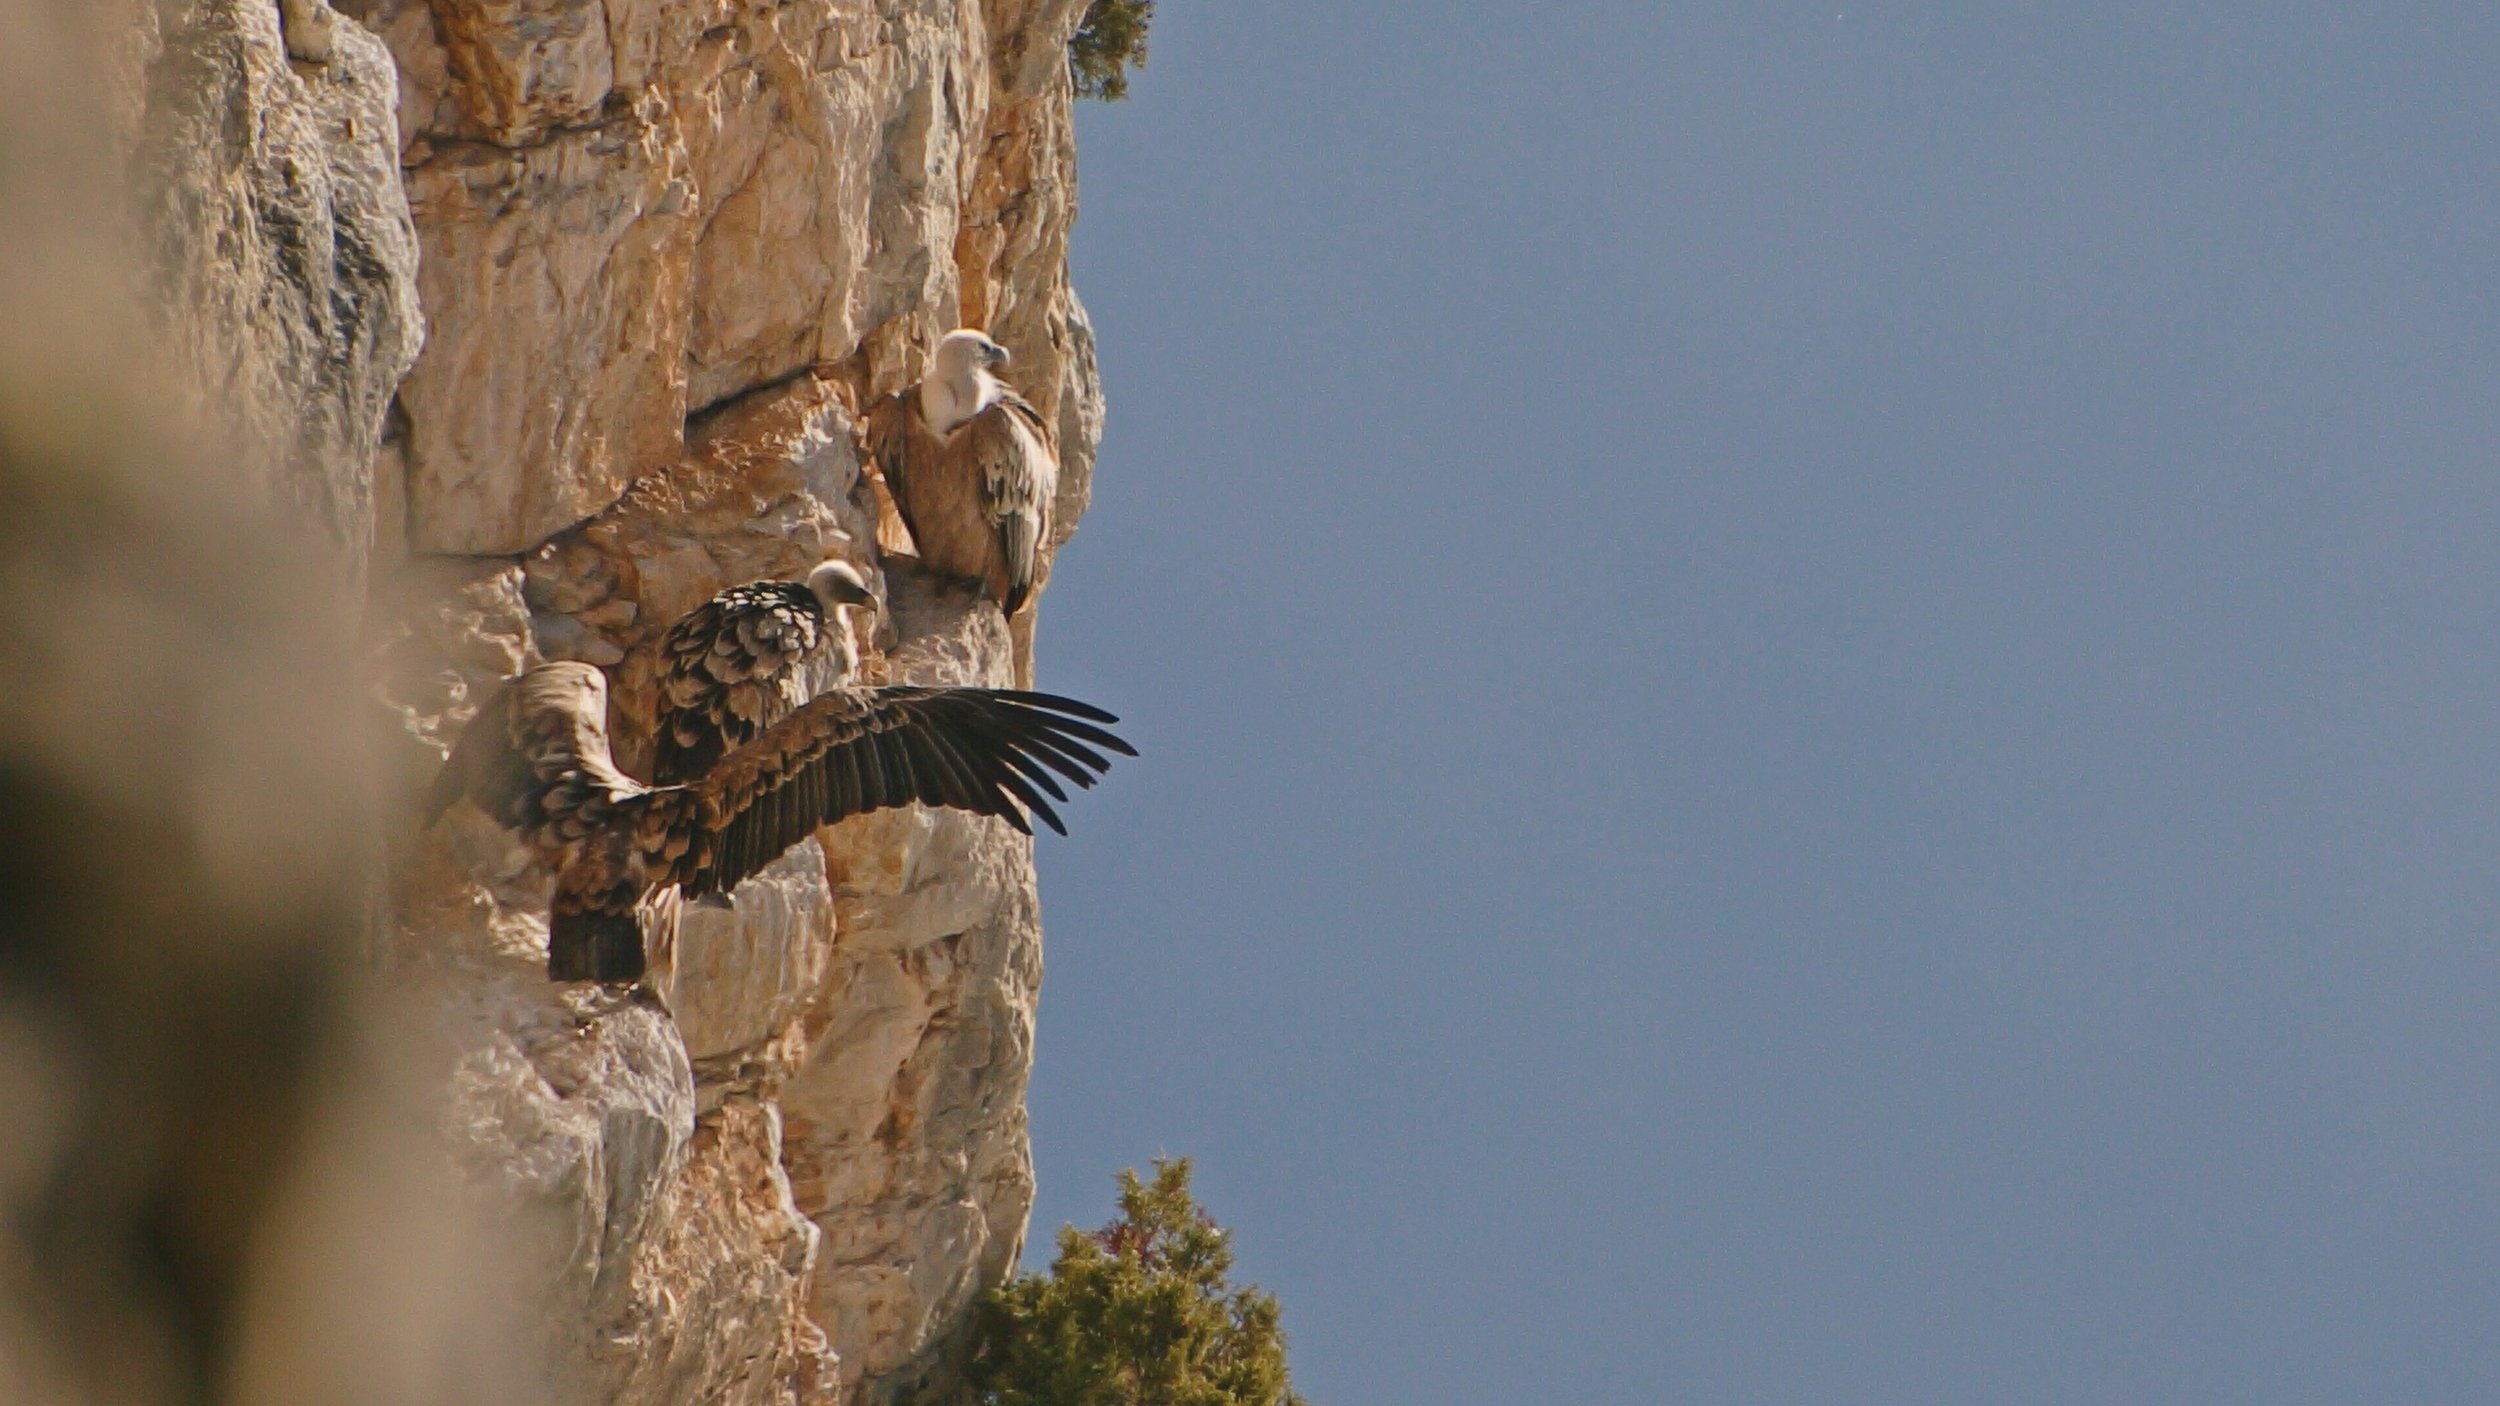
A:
536,758
732,666
971,466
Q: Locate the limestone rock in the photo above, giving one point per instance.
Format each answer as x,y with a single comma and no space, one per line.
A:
720,1310
579,1114
744,970
446,632
664,1259
828,145
555,276
907,1136
525,66
580,1118
311,30
279,250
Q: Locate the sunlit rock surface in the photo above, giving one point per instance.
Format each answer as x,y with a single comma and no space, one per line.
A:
278,253
670,250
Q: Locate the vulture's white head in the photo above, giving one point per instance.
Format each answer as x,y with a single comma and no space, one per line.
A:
959,384
966,349
836,584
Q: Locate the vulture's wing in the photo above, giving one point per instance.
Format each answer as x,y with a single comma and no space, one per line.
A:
595,920
536,757
728,670
1018,471
850,751
892,424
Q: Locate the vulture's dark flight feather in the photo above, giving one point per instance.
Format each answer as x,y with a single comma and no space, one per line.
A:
536,758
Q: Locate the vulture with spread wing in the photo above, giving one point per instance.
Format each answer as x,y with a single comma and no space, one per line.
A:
536,758
971,467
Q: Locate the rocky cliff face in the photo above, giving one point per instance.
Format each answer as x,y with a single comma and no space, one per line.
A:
664,251
279,255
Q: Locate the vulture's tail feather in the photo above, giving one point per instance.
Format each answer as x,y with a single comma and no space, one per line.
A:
594,947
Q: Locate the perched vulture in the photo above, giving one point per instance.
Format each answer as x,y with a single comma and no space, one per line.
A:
971,466
733,665
536,759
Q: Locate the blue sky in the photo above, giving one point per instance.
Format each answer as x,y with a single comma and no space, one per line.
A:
1817,690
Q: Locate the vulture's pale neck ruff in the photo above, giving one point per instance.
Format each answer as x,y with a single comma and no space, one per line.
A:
959,385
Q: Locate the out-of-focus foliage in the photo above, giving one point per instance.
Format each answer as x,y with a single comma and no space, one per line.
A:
1138,1313
1109,41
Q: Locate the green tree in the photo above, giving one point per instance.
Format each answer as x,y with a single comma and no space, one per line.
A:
1138,1313
1109,41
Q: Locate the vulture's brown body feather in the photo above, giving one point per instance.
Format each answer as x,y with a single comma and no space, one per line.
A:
977,497
731,668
